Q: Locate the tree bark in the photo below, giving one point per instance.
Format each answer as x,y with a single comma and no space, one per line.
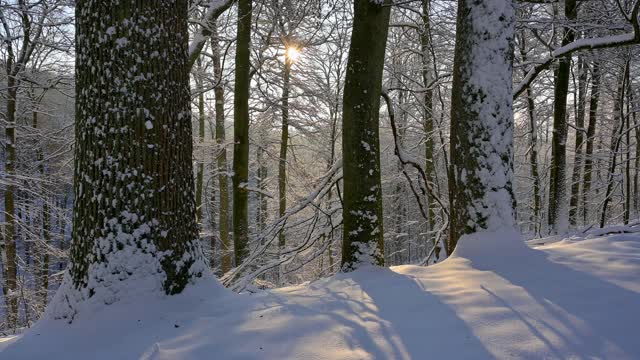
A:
221,158
43,254
284,139
201,118
591,132
557,175
481,174
362,240
427,78
241,133
533,138
577,162
134,209
9,200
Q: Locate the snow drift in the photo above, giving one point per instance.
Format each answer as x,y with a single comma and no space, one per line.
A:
495,297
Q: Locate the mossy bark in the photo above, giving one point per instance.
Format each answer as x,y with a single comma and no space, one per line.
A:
362,211
133,177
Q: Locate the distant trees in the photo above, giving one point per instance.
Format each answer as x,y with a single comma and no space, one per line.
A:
32,34
134,206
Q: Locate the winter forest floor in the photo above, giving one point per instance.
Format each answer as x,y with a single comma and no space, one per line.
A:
495,298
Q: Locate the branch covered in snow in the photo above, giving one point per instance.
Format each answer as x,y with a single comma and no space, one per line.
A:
584,44
407,160
214,10
239,277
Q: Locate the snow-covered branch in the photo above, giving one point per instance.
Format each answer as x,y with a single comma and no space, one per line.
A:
214,10
583,44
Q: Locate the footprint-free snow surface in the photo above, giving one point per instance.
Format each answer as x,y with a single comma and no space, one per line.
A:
494,298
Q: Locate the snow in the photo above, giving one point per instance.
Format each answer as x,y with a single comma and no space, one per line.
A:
495,297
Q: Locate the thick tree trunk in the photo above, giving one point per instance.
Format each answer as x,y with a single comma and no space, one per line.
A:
481,180
241,133
557,175
134,209
223,176
362,240
591,132
577,162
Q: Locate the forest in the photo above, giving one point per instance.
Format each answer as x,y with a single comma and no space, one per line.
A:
160,160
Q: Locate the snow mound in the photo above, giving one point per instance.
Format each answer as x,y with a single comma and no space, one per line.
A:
487,248
494,298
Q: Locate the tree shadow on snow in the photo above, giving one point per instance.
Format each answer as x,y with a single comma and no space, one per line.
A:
606,314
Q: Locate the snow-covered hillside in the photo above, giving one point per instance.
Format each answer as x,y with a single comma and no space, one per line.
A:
495,298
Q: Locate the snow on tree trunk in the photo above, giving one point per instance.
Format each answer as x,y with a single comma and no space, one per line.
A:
481,181
362,210
135,227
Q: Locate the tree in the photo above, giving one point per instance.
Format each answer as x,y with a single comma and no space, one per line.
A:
362,240
481,181
577,163
594,98
221,158
557,179
25,36
134,213
533,137
241,133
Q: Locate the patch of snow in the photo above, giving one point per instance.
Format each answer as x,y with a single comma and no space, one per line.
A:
493,298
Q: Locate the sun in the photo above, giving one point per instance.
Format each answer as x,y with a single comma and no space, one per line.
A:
293,53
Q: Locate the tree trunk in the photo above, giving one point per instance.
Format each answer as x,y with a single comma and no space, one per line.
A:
577,162
43,254
627,119
223,176
9,203
636,173
557,175
241,133
427,79
591,132
284,138
616,139
134,209
362,240
533,138
201,118
481,180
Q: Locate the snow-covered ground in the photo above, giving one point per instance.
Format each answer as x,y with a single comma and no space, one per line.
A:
495,298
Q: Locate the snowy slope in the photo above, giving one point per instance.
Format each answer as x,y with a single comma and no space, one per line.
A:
494,298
